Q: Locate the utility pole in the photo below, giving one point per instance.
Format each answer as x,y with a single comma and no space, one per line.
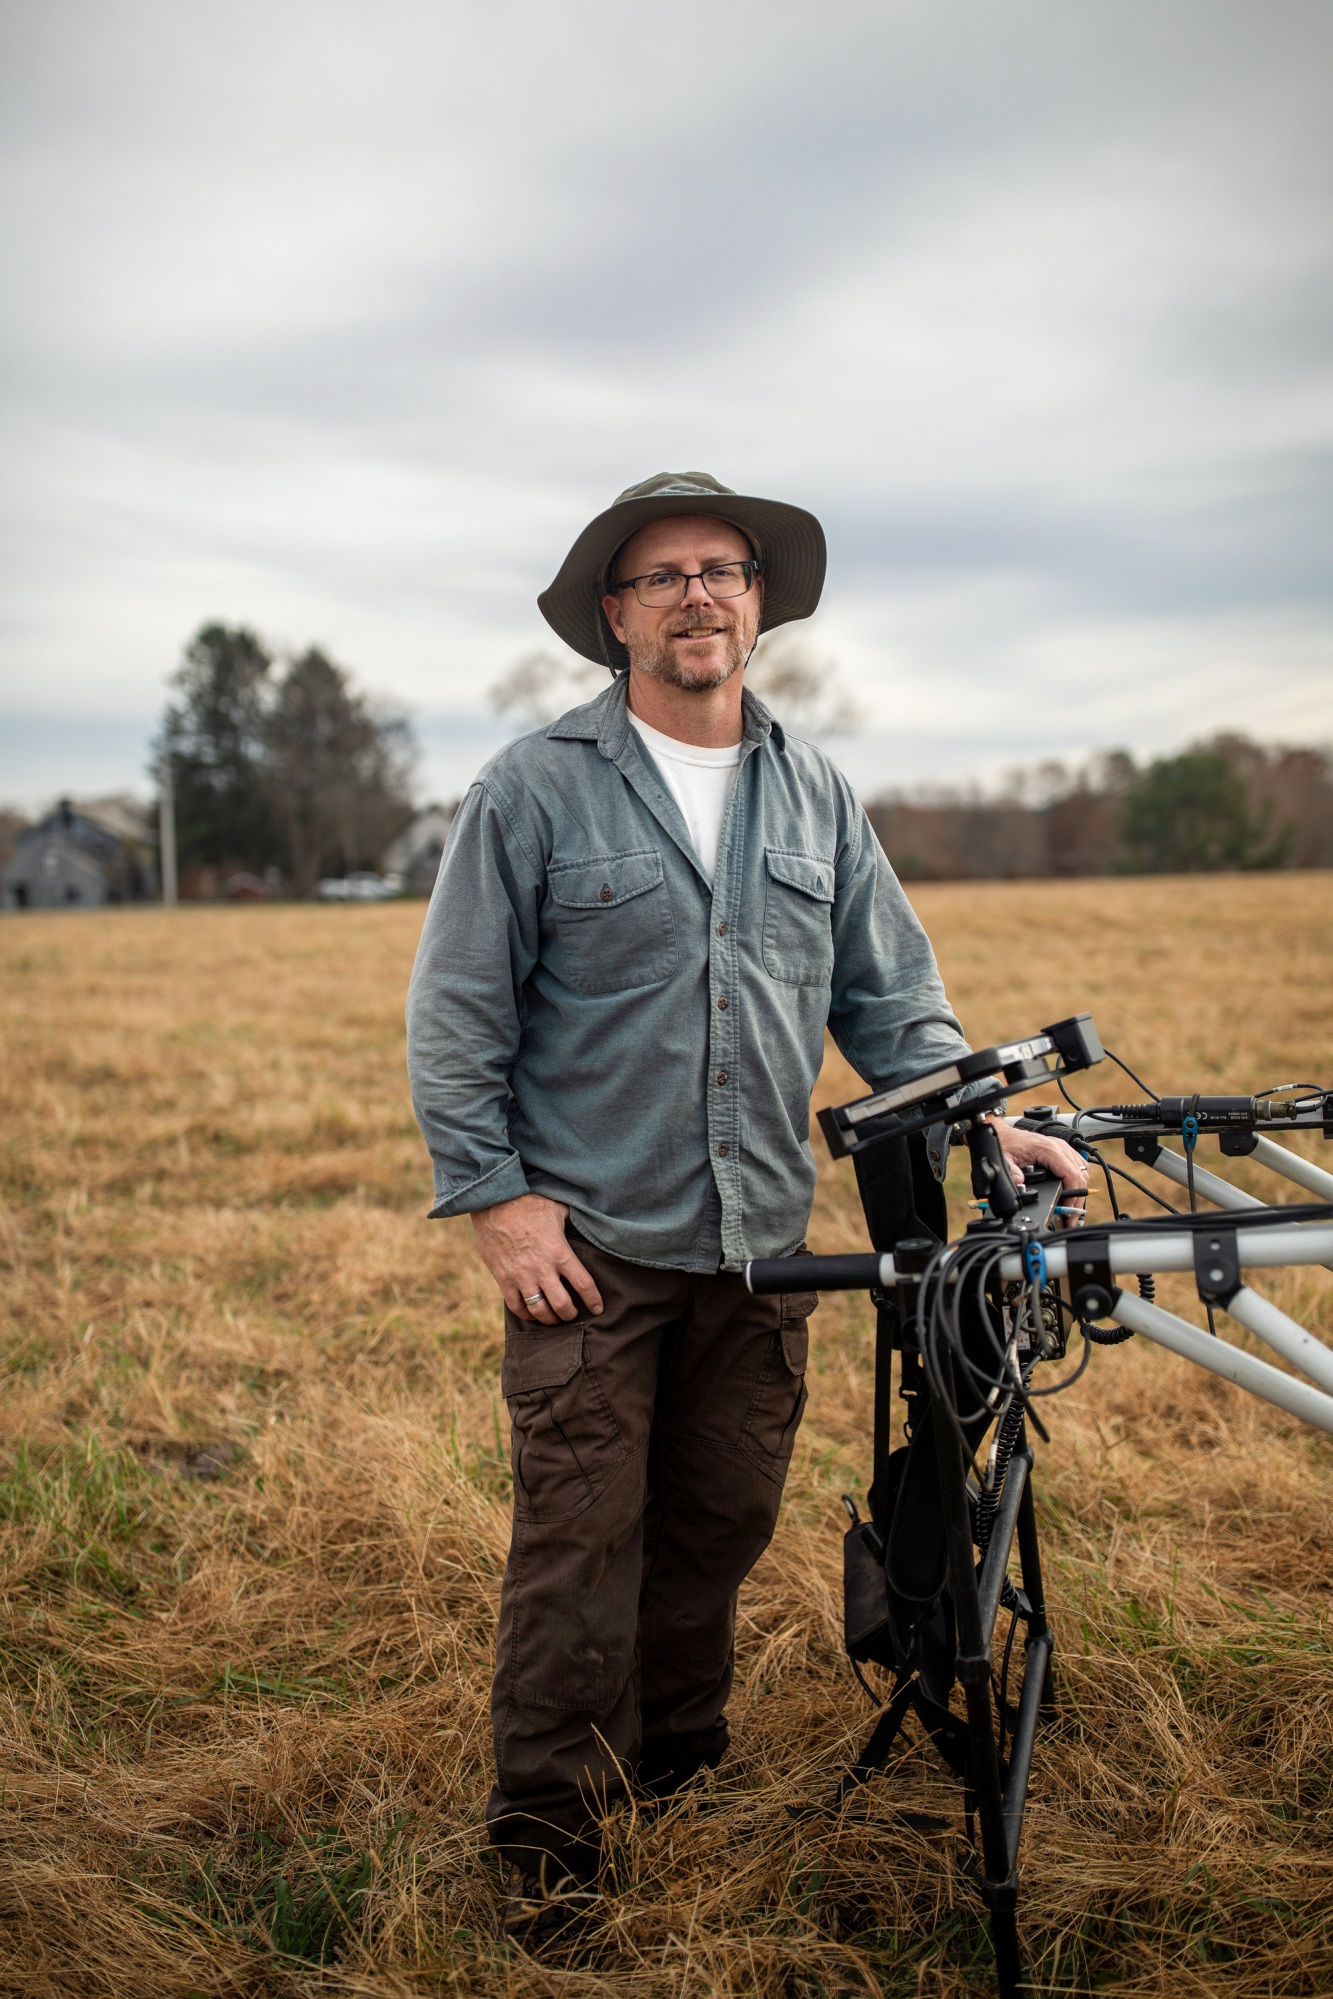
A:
166,828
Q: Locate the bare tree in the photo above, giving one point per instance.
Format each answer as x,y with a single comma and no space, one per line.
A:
542,685
799,685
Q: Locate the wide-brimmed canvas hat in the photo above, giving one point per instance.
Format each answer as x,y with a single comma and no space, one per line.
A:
788,542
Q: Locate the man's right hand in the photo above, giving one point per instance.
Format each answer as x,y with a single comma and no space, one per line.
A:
523,1245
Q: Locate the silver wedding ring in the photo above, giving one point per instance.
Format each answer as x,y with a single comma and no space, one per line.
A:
537,1298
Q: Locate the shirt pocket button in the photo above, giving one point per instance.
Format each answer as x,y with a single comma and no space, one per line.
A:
608,893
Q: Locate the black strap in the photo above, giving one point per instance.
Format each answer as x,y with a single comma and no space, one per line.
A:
901,1198
916,1561
899,1192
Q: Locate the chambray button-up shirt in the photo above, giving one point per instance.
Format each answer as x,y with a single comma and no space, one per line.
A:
589,1021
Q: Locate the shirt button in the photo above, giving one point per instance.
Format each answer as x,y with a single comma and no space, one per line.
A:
722,1076
721,929
723,1004
607,893
722,1150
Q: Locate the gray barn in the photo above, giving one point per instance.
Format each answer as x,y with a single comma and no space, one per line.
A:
81,855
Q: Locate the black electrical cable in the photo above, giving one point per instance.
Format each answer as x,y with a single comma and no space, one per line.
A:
941,1320
1111,1056
958,1309
947,1287
1060,1086
1237,1218
1110,1183
1058,1387
1003,1692
1147,1192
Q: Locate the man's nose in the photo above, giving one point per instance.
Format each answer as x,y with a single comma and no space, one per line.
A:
695,592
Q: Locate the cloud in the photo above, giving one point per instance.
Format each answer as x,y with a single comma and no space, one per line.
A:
341,324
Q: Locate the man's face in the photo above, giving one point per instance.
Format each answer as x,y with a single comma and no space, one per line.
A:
701,641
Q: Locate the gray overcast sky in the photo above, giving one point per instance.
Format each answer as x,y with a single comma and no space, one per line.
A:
340,319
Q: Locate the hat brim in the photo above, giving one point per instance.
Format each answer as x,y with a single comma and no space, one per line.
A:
790,542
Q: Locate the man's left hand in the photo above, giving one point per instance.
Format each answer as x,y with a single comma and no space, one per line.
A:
1033,1148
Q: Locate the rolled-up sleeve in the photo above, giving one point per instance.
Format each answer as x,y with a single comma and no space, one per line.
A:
889,1013
465,1005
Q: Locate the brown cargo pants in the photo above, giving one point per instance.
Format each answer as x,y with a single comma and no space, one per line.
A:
649,1447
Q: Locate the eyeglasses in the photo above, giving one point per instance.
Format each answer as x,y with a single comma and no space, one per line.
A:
668,586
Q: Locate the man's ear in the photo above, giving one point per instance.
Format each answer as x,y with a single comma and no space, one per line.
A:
611,612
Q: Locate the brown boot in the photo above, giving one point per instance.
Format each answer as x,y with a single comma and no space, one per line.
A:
537,1915
667,1763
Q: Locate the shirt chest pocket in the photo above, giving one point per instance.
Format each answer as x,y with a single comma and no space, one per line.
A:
798,918
607,926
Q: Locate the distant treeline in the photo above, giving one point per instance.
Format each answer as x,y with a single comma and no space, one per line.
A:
1227,803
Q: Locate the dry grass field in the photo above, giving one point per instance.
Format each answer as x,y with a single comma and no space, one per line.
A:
254,1501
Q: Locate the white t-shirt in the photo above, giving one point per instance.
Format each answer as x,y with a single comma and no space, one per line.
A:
700,781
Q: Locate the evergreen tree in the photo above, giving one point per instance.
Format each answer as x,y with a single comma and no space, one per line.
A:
336,771
214,734
1193,812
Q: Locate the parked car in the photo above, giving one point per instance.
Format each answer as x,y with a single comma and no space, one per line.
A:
360,886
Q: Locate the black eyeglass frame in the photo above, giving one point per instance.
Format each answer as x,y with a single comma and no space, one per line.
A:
749,563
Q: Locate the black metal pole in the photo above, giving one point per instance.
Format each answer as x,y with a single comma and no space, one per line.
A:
999,1883
883,1407
996,1564
1029,1557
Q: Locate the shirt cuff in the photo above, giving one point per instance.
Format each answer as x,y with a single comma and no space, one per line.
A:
504,1182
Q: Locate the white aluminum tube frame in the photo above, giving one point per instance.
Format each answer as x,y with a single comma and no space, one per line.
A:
1171,1249
1232,1363
1278,1158
1258,1315
1292,1167
1256,1248
1220,1192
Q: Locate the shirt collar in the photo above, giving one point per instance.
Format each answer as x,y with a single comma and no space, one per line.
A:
605,721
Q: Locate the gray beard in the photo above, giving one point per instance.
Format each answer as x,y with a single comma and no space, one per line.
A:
660,662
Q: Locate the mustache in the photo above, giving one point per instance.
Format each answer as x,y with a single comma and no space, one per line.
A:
700,622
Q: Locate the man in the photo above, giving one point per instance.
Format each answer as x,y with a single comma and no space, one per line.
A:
647,915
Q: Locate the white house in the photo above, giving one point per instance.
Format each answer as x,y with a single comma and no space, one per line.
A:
414,855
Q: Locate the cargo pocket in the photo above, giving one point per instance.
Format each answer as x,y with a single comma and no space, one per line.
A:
778,1403
565,1442
796,1307
798,918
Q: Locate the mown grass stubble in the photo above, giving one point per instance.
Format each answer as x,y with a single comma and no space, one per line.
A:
244,1714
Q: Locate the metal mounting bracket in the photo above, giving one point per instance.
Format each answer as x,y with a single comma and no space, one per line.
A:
1217,1265
1092,1289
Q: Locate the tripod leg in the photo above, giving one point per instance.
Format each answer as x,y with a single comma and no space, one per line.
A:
1004,1942
999,1882
875,1754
